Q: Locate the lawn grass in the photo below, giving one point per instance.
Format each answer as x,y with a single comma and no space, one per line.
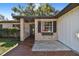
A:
7,43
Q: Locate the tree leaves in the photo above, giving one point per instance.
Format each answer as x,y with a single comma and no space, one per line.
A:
43,10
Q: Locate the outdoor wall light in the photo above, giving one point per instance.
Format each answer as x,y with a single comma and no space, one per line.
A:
77,34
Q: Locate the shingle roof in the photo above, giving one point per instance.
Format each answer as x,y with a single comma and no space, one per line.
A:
67,9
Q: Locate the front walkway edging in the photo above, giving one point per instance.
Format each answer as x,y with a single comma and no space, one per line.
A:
9,49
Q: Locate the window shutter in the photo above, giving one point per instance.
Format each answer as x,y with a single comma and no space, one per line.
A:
39,26
54,26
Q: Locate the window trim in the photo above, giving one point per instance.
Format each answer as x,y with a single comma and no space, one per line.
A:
42,27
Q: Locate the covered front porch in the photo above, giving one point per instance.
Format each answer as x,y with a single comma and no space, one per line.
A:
43,32
27,28
42,28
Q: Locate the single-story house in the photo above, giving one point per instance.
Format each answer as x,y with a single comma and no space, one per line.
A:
62,27
10,24
5,25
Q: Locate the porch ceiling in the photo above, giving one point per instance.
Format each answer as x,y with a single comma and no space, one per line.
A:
26,19
32,18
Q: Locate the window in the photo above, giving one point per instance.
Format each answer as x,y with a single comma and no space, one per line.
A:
0,26
16,26
47,27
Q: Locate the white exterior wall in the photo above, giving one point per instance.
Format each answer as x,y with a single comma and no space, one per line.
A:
39,36
27,29
67,27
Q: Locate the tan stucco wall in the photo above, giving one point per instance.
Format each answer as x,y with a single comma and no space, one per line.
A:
22,29
8,25
67,27
39,36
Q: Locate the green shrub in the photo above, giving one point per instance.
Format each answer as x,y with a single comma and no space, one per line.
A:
7,32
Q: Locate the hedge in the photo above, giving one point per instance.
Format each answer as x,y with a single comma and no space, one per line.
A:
9,32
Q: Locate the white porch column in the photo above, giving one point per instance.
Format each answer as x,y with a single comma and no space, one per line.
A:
21,29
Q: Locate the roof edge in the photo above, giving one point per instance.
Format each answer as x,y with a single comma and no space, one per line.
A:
9,21
67,9
34,17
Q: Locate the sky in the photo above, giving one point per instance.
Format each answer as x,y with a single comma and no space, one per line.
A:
5,8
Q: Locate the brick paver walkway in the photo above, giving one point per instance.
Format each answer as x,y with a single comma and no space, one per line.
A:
25,49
